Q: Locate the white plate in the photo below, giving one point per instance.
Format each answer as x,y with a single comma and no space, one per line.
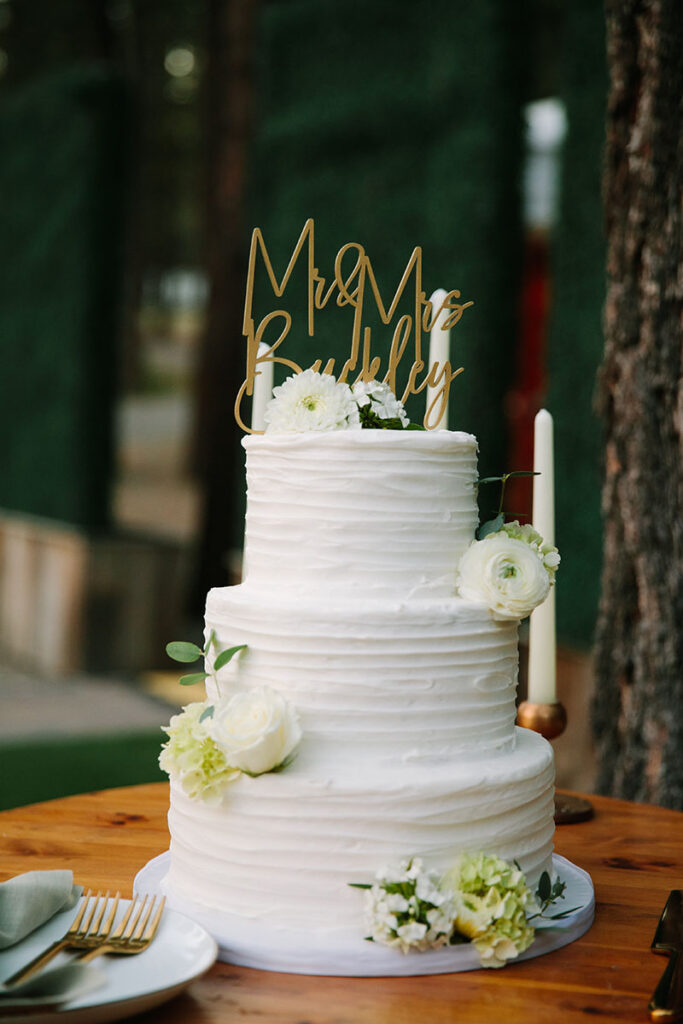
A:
250,944
181,951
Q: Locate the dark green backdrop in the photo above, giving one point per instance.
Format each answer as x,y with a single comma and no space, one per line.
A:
576,331
62,172
395,127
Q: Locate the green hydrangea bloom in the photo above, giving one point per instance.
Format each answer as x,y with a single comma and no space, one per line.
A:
193,758
492,901
548,553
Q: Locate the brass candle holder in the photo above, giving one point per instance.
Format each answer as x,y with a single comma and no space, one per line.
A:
550,720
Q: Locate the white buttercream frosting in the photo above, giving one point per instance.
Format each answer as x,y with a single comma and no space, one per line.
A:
405,693
360,512
283,848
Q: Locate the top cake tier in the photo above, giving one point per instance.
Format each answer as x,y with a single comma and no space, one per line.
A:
359,511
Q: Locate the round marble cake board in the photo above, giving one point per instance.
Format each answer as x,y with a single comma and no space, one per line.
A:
246,943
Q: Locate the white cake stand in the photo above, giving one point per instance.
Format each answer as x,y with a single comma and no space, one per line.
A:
246,943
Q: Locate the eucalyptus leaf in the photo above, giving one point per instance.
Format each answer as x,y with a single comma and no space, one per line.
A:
414,426
179,650
563,913
490,479
558,889
522,472
225,656
359,885
207,713
492,526
210,641
192,678
544,890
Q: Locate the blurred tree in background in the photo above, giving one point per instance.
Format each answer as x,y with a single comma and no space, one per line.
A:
638,704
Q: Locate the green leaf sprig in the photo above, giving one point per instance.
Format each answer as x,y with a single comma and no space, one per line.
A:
549,893
495,524
186,653
370,420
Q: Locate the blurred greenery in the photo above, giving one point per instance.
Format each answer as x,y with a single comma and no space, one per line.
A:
388,137
38,769
132,36
64,144
576,330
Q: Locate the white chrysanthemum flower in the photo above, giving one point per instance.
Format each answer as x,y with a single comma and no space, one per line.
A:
381,400
311,401
256,731
506,573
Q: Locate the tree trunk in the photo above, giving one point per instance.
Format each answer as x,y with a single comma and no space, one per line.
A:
638,705
222,359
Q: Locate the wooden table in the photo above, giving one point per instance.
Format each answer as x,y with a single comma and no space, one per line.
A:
633,852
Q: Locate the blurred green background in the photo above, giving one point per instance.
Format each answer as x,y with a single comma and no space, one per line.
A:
472,129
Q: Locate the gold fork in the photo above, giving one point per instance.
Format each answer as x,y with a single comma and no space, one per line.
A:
134,933
88,929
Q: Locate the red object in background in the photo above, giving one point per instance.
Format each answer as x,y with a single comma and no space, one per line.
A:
526,397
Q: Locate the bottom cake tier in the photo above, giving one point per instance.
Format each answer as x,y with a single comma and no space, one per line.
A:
278,853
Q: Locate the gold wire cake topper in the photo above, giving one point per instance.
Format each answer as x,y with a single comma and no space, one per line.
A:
352,288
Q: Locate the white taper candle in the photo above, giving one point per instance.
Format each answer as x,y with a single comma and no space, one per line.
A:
263,390
542,645
439,351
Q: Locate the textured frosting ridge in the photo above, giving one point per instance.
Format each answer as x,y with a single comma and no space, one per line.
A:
284,848
432,678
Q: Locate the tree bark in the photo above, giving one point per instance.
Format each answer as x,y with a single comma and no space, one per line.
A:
229,88
638,705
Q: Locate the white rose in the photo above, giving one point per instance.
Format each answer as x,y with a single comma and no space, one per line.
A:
256,730
506,574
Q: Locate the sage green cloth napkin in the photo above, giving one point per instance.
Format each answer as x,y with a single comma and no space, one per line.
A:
52,986
27,902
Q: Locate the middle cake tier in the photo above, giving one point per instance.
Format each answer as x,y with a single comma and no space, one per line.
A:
414,680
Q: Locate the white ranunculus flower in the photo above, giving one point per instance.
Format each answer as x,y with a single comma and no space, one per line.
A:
311,401
256,730
504,573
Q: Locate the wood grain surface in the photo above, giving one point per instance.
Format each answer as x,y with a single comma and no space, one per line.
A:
633,852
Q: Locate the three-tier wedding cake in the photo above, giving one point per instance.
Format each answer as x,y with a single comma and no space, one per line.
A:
370,705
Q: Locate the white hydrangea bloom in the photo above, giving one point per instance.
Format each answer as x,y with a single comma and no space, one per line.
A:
311,401
381,399
406,909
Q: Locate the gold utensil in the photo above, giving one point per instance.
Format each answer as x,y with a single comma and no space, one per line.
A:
667,1001
88,929
134,933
